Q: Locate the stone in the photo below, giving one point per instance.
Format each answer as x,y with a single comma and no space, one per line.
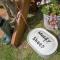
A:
42,42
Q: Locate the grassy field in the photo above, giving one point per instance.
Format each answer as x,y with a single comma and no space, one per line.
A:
8,52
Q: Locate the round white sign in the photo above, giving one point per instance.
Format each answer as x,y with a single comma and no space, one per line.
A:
43,42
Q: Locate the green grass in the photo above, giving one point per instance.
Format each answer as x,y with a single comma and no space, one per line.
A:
8,52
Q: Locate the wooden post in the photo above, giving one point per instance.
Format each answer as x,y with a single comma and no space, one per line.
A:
20,29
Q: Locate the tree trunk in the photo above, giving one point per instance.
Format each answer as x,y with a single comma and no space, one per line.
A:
20,29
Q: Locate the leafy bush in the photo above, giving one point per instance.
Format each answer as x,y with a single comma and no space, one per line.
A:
45,9
54,1
51,8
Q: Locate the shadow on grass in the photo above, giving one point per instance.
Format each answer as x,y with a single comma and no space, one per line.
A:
58,50
58,1
33,21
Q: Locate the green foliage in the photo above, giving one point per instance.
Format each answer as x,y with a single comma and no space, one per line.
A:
54,1
51,8
54,8
45,9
